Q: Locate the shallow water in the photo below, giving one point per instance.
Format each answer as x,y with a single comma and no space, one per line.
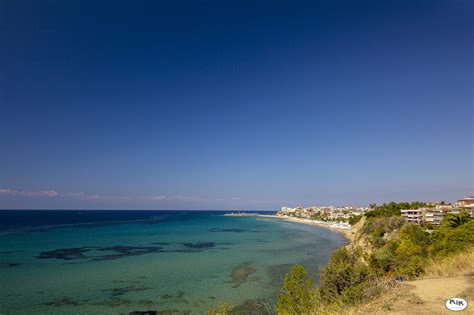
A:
123,261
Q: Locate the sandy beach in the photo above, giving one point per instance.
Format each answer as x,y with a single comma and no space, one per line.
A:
345,232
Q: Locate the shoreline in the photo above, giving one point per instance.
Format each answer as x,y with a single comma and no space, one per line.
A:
347,233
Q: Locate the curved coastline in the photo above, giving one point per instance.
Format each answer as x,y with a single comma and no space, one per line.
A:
347,233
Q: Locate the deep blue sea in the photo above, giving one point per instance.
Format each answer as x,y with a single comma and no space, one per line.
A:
174,262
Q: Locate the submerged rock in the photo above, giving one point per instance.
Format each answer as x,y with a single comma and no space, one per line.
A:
203,245
78,252
234,230
65,253
125,251
252,307
122,291
240,273
277,274
178,298
117,302
171,312
10,264
64,301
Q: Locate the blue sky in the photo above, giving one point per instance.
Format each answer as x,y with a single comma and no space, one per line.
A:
234,104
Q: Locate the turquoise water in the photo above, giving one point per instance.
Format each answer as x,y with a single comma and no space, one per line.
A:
179,263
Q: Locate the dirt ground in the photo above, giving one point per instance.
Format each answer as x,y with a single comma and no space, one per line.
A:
426,296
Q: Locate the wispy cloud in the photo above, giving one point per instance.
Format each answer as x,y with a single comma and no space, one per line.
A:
91,197
153,199
46,194
81,196
42,193
172,198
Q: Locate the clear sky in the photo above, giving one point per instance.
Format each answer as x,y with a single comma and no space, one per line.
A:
234,104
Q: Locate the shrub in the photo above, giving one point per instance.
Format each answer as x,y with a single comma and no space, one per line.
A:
456,220
344,276
409,249
393,208
413,267
299,293
383,261
354,219
447,240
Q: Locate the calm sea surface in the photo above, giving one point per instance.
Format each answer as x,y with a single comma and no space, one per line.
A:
174,262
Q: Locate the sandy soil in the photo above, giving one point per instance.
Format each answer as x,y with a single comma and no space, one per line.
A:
426,296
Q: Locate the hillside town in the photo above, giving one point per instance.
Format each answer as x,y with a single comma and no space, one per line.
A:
323,213
435,212
331,216
344,217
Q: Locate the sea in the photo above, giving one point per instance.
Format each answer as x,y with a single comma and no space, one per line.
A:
171,262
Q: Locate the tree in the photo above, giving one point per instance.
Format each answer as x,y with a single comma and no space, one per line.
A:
393,208
299,293
344,277
354,219
455,220
447,240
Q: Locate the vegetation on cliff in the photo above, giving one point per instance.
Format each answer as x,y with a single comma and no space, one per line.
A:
393,208
394,250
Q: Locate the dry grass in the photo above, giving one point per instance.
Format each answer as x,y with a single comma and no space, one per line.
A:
375,291
451,266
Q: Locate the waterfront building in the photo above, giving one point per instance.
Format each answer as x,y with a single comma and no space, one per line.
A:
433,216
413,215
467,204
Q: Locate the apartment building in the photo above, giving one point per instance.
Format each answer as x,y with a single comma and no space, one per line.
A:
433,216
413,215
467,204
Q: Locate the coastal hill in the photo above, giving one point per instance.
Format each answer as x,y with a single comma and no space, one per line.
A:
451,277
427,295
392,265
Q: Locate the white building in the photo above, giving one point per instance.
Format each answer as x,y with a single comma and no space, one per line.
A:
413,215
433,216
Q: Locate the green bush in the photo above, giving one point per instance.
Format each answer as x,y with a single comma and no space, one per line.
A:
343,276
393,208
456,220
410,246
299,293
413,241
354,219
354,295
383,260
447,240
412,267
